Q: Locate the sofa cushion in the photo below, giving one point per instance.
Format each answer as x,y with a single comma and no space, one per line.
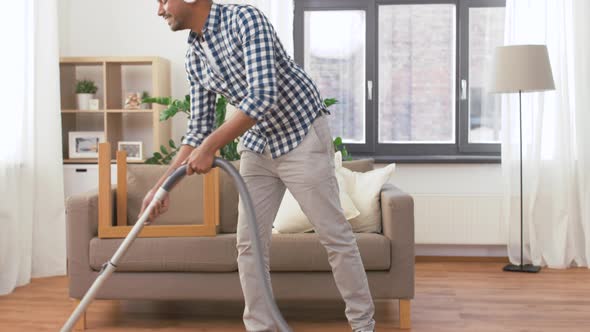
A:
186,199
289,252
360,165
365,190
179,254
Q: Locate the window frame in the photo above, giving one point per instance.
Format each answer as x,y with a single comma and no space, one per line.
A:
463,107
370,36
459,152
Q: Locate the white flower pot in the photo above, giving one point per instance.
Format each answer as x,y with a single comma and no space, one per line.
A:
83,100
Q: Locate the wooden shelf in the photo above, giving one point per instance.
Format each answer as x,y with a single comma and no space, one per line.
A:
108,111
83,111
131,111
132,60
95,161
116,77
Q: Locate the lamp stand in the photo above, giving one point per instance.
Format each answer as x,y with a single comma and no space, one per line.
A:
522,267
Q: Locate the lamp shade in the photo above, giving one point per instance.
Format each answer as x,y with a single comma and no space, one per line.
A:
522,68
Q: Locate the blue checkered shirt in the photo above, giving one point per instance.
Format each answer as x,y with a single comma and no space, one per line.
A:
255,74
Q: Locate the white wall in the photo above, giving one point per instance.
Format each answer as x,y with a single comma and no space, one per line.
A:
131,27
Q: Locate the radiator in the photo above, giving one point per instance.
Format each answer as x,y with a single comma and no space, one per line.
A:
459,219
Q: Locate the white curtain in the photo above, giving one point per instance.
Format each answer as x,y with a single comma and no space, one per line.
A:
32,213
556,134
279,12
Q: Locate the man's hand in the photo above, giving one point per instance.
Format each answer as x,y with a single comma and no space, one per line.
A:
200,161
159,208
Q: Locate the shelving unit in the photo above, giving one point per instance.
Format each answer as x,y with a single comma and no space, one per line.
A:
115,77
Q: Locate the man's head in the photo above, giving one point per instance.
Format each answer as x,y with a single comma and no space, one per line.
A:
179,14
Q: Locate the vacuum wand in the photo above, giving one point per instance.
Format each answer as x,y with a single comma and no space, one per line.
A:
110,267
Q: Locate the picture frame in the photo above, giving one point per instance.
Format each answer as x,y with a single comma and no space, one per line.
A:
84,144
134,149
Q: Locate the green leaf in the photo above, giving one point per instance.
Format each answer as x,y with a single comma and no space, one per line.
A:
338,141
330,101
158,155
158,100
171,143
163,149
177,103
168,113
220,111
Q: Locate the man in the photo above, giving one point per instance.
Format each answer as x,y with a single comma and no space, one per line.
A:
234,51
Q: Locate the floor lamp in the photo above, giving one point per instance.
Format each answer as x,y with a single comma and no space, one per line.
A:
521,68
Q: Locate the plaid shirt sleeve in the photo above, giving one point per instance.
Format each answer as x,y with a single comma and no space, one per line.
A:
201,119
257,38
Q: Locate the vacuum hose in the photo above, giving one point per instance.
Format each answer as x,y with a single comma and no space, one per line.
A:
175,177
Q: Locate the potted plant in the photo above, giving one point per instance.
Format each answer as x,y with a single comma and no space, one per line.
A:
85,90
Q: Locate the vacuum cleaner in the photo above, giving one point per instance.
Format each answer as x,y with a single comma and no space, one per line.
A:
109,267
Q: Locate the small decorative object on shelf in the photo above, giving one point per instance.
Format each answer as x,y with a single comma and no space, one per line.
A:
94,104
84,144
85,90
133,101
134,150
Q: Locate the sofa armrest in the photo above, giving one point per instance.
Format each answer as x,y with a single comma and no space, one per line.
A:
397,211
81,227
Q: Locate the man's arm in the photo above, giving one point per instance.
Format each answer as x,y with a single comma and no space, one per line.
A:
257,37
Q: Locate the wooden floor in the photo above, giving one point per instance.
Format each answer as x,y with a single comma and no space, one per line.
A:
450,296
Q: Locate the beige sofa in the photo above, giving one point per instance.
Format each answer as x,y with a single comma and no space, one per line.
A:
205,268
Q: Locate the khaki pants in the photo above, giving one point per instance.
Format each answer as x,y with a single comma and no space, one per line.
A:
308,172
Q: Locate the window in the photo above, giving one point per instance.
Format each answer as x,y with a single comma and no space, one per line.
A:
335,59
410,76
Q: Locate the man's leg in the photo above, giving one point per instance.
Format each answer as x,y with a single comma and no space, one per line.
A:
266,190
308,172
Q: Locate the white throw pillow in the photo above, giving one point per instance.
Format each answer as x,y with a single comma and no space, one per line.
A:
365,190
291,219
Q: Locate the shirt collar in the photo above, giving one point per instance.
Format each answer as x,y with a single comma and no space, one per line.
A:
211,24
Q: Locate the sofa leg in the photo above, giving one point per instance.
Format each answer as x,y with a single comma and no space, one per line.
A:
81,323
405,320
